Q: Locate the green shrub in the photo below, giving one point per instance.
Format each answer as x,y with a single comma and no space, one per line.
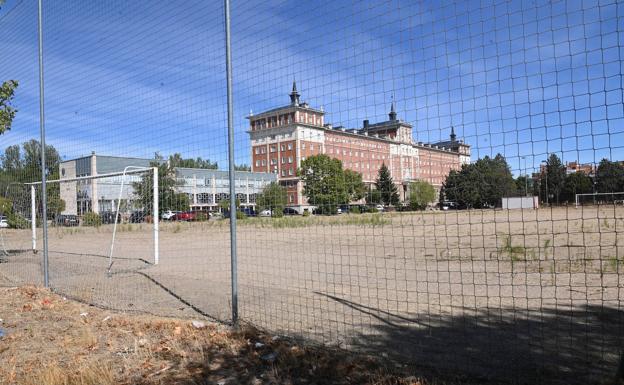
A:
355,210
92,219
16,221
277,214
306,213
201,217
240,215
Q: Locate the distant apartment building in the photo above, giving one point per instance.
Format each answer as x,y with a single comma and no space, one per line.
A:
283,137
204,187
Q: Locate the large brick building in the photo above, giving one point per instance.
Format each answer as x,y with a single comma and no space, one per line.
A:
282,137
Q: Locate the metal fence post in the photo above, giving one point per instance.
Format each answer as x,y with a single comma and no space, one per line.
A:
44,213
33,217
230,118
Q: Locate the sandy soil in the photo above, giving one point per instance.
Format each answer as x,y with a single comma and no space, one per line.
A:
519,295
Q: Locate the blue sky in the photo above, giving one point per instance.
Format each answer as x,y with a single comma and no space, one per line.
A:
523,78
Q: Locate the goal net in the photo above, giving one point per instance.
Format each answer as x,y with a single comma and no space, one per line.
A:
616,198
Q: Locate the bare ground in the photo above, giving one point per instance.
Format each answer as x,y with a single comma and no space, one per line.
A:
515,296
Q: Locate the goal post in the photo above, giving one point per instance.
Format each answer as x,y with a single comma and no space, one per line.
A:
115,207
599,198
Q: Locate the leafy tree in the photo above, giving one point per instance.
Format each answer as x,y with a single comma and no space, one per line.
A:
556,175
242,167
7,111
576,183
421,193
225,204
609,177
524,184
176,160
373,197
480,184
356,189
324,182
168,199
273,197
385,185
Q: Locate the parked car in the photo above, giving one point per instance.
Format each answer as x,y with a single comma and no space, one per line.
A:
137,217
185,216
109,217
3,222
248,211
67,220
266,213
290,211
380,208
448,205
167,215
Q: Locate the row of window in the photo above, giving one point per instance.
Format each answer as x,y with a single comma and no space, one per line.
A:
274,162
262,150
355,141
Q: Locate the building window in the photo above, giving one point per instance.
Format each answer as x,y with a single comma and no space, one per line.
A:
264,162
273,161
311,147
290,147
282,147
257,150
291,197
283,172
257,163
290,171
273,148
303,145
290,159
263,150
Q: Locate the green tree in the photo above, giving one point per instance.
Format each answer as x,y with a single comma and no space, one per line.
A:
356,189
556,175
323,182
242,167
373,197
480,184
7,111
168,198
524,184
385,185
176,160
609,177
576,183
421,194
273,197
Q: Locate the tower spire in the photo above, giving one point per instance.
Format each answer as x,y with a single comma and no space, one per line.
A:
294,95
453,136
392,115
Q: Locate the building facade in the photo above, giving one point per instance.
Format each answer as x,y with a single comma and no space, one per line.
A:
204,187
283,137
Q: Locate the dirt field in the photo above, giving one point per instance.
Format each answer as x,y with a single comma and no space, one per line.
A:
518,295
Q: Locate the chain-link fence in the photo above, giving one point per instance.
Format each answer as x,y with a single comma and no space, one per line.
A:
441,184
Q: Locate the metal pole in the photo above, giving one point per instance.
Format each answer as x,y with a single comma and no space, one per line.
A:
155,219
44,213
33,217
233,256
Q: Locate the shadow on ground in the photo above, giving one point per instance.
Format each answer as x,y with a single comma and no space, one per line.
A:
580,345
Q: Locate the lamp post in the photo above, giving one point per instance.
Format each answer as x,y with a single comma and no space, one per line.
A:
546,173
526,179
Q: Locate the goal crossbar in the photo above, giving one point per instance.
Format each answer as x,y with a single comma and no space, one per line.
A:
611,194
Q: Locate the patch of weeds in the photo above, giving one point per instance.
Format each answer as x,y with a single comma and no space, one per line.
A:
515,253
605,224
176,228
614,263
546,248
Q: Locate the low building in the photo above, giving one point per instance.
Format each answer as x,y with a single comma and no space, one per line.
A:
205,187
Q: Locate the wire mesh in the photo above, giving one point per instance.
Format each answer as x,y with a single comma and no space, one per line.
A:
435,183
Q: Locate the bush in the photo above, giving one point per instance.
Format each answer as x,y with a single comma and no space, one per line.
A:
355,210
240,215
277,214
16,221
306,213
201,217
92,219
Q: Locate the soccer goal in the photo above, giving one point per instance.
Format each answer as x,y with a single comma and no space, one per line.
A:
616,198
94,200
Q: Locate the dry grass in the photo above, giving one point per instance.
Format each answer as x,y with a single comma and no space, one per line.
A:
54,341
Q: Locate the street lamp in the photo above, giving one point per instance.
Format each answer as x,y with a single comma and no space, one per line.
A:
526,179
546,173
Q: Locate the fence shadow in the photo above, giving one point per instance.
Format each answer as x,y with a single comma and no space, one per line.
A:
579,345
